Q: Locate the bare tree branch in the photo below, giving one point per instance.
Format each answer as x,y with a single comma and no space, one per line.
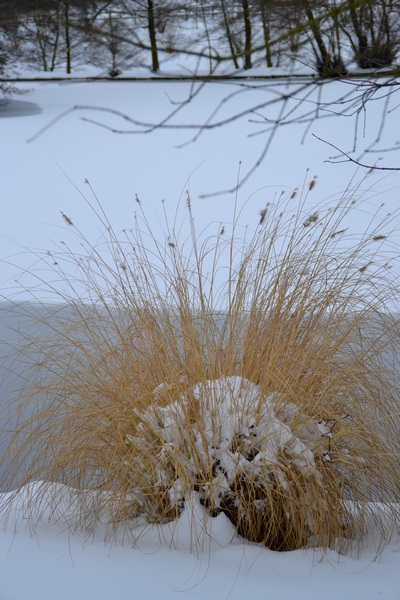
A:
351,159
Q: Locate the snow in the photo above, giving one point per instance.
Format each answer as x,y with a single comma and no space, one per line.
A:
239,432
42,178
53,563
158,168
197,555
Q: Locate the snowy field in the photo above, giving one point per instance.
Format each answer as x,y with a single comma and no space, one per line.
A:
55,564
44,177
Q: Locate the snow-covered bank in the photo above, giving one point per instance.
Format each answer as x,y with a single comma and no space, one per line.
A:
54,563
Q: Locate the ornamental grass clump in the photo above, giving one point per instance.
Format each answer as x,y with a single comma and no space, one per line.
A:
256,376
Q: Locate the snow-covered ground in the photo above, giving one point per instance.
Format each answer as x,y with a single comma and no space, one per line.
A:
56,564
45,177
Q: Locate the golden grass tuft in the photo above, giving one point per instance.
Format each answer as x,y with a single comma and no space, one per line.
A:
302,310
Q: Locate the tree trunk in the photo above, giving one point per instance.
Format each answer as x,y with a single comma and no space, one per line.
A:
247,33
204,18
155,65
266,32
326,65
67,35
324,54
355,22
113,43
229,35
41,40
55,46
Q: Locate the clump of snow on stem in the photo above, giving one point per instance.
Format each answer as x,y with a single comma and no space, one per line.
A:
225,430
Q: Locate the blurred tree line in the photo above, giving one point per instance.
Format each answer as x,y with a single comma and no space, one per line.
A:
118,34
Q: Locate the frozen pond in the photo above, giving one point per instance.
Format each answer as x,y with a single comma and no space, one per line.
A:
29,321
49,154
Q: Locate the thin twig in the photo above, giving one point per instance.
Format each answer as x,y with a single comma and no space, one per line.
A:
353,160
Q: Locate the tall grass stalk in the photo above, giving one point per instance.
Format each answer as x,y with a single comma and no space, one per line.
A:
285,332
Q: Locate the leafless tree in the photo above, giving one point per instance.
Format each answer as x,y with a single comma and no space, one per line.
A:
325,34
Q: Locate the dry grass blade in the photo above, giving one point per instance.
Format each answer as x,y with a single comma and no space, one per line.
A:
256,374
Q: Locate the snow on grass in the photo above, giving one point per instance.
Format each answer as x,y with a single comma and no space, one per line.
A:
241,434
